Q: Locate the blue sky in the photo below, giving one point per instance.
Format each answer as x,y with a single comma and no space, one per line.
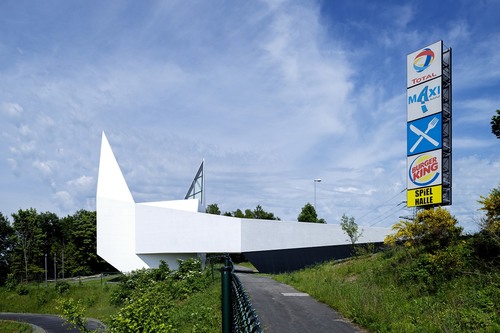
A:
272,94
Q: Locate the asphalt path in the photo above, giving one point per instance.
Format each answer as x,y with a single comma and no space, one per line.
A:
283,309
48,323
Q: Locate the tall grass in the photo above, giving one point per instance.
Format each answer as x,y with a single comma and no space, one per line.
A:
367,291
7,326
201,313
39,298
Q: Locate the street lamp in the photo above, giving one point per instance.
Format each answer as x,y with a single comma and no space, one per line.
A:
317,180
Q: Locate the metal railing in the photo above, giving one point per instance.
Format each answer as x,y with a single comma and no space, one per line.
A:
238,314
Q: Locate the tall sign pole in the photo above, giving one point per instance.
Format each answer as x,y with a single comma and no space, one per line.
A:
429,126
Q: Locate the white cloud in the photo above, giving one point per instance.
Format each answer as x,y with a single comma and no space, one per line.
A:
46,168
11,109
65,200
347,189
82,185
23,148
25,130
472,143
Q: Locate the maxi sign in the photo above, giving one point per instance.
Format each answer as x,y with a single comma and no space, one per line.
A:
428,105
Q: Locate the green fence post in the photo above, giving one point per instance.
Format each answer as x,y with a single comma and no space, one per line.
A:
226,296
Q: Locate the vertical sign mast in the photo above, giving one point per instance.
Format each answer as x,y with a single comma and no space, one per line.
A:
429,126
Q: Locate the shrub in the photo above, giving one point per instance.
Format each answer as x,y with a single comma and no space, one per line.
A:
145,312
487,249
74,313
22,289
425,272
42,297
491,205
431,229
11,282
148,296
135,281
62,287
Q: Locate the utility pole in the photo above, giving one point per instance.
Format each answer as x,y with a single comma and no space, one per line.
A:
55,267
46,277
317,180
62,267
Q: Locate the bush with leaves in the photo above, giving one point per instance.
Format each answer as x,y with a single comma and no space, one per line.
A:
22,289
350,227
434,251
138,281
431,229
487,241
147,296
425,272
145,312
73,312
491,205
62,287
188,279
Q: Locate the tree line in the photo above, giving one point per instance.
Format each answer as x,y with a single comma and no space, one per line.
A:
35,243
307,214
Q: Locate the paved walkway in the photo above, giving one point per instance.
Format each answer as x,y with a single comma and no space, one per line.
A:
283,309
47,323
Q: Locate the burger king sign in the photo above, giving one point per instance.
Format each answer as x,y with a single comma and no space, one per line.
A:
424,169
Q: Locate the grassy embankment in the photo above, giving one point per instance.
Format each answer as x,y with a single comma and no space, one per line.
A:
398,290
379,293
39,298
200,312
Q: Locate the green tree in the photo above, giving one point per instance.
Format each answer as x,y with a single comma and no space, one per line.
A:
6,244
30,240
432,228
257,213
308,214
237,213
248,214
213,209
495,124
261,214
79,244
350,227
51,235
491,205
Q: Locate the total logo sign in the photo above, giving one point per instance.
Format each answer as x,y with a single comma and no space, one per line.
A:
424,65
425,169
424,99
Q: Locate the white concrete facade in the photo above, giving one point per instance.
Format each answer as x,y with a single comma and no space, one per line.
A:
138,235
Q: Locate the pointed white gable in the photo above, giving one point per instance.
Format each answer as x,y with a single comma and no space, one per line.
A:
110,183
115,214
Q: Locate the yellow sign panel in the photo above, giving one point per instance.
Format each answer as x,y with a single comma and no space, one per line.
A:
425,196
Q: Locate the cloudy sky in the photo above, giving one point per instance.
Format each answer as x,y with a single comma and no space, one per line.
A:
272,94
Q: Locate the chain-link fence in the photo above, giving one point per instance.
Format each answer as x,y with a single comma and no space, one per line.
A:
238,314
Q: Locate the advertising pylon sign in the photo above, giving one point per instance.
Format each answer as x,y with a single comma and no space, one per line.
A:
428,109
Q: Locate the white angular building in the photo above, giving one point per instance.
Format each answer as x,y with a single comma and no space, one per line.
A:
134,235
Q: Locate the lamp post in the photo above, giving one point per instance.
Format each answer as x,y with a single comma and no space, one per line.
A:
46,278
317,180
